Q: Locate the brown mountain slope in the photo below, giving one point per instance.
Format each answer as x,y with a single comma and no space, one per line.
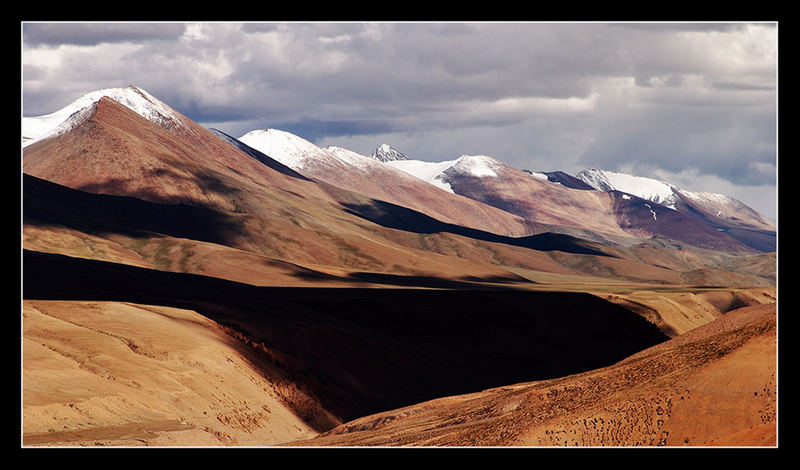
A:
348,170
208,191
248,248
536,199
645,218
715,385
619,217
723,211
186,238
116,151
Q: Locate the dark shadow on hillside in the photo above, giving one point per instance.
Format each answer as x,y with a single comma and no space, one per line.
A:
401,218
568,180
410,280
362,351
49,204
466,282
761,240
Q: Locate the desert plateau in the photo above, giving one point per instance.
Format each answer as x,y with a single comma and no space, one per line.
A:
185,288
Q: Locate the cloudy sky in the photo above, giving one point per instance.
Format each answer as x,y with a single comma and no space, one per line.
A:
690,103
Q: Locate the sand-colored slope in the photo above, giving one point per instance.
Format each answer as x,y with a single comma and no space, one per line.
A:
715,385
677,311
369,350
178,255
108,373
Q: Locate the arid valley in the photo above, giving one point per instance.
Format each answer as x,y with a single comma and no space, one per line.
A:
184,288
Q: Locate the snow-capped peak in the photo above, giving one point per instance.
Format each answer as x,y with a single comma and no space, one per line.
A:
143,103
476,165
646,188
289,149
438,173
673,197
295,152
386,153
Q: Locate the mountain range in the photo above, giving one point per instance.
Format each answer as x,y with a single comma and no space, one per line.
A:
620,207
351,284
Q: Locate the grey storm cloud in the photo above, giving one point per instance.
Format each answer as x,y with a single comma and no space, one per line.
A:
660,98
85,34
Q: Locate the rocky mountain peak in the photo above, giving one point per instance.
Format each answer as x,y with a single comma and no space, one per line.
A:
387,153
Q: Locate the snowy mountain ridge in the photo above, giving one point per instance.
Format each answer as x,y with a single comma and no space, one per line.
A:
291,150
668,195
650,189
301,155
140,101
298,153
352,158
